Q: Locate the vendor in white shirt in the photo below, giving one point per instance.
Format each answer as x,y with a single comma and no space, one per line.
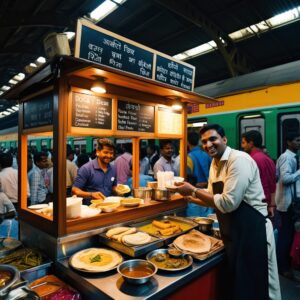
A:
235,191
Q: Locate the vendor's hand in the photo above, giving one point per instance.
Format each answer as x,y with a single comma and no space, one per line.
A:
190,199
184,188
97,195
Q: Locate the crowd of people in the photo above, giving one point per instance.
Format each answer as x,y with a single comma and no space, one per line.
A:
249,193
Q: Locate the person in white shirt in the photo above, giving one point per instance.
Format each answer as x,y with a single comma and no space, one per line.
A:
8,178
236,193
288,175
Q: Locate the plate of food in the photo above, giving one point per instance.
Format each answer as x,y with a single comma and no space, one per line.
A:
38,206
166,262
114,199
95,260
105,206
131,202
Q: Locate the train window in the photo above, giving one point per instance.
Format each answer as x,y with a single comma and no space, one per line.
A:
252,122
288,123
80,144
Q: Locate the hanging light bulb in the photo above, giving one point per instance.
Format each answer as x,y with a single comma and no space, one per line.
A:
98,86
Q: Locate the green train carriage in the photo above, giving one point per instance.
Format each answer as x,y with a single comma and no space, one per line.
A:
267,101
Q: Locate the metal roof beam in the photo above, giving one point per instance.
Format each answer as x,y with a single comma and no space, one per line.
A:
236,61
47,19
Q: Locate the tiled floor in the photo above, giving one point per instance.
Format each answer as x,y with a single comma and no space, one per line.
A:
290,290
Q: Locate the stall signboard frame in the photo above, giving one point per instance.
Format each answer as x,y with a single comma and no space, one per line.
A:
106,48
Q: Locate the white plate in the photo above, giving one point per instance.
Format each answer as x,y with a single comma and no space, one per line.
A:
38,206
87,212
72,261
113,199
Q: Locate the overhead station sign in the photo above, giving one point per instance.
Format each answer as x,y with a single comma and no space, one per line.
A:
106,48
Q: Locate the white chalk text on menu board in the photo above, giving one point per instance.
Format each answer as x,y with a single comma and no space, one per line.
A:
169,121
135,117
174,73
38,111
91,111
107,50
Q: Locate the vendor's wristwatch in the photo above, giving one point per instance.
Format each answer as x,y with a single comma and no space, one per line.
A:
194,192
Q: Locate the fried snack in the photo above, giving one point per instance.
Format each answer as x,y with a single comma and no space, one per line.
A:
161,225
167,231
122,189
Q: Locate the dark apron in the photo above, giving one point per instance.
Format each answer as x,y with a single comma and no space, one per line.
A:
243,232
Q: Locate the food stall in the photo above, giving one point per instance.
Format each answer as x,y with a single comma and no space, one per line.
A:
140,87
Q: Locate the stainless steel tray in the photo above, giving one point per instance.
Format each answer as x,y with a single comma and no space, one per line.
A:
37,272
167,239
132,251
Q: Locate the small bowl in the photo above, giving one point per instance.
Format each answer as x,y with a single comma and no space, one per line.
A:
204,224
175,252
178,179
137,271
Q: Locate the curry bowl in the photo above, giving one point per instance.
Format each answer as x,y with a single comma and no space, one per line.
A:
163,260
137,271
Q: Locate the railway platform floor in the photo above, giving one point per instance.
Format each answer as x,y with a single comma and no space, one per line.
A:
290,290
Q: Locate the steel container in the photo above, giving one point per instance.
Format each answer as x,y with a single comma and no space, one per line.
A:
143,193
204,224
162,194
136,263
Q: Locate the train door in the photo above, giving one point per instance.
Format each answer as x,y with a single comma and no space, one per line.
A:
252,122
196,124
288,123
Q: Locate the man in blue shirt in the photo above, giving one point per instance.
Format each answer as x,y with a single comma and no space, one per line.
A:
198,164
97,179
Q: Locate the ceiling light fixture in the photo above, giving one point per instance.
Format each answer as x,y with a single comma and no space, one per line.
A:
175,102
98,85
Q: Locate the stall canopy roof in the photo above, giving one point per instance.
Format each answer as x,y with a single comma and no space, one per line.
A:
221,38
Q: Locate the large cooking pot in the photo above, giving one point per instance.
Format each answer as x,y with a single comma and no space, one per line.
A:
13,289
143,193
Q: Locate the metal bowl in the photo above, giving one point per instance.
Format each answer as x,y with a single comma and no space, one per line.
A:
138,266
162,194
166,251
204,224
15,276
143,192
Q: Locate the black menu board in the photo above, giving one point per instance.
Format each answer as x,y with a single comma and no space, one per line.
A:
91,111
174,73
135,117
38,111
107,50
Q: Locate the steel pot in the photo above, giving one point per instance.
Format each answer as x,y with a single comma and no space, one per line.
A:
15,276
143,193
139,265
162,194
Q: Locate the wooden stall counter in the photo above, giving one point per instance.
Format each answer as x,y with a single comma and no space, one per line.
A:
125,214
